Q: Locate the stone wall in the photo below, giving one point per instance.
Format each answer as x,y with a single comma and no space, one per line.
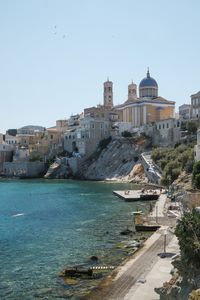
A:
23,169
5,156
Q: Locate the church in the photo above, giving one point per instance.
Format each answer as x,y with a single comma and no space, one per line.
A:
149,107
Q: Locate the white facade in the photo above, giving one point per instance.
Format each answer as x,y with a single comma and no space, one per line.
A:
169,131
195,106
123,126
197,147
11,140
85,138
184,111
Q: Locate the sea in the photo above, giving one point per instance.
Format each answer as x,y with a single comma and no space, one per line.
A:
47,225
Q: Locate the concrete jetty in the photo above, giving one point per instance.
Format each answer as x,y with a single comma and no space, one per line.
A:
138,195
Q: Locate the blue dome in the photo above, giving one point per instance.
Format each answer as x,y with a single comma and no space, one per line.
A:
148,82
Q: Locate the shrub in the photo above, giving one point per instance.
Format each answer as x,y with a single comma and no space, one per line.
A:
189,166
196,175
188,233
191,127
126,134
174,160
104,143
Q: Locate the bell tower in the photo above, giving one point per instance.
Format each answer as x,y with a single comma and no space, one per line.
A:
132,91
108,94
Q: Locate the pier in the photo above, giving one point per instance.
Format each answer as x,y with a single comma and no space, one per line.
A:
138,195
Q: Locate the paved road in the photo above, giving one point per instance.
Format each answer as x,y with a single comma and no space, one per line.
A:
119,288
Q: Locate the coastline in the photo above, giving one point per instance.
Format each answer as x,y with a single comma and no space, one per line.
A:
113,286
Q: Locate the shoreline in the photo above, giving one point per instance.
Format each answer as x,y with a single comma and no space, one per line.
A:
120,181
109,284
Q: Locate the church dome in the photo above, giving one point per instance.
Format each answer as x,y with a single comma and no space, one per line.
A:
148,81
148,87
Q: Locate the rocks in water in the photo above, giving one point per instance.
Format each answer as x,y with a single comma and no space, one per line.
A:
76,272
94,258
126,232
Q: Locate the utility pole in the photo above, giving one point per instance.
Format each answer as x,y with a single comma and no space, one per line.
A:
156,214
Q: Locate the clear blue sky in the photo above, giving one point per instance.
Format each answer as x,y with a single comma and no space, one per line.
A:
48,72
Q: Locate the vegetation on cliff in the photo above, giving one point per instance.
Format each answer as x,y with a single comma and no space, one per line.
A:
196,175
174,160
188,233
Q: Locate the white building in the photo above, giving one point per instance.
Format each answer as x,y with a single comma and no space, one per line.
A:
197,147
11,140
120,127
167,132
185,111
85,138
195,106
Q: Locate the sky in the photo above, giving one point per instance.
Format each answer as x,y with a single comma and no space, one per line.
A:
56,54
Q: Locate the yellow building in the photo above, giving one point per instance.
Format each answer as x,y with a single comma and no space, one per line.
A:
148,108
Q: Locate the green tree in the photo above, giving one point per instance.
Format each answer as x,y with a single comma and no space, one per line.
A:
191,127
196,175
104,143
188,233
126,133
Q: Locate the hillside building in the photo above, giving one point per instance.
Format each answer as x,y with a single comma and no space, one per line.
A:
184,111
195,106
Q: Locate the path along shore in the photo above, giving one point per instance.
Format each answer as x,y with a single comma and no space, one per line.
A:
145,270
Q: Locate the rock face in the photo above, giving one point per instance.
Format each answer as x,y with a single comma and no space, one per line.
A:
59,170
116,162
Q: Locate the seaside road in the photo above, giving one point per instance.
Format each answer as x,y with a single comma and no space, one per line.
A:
118,289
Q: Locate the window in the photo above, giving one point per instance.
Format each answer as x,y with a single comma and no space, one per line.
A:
167,125
159,126
163,126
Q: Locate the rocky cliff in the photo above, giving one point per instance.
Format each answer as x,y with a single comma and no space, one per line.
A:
118,161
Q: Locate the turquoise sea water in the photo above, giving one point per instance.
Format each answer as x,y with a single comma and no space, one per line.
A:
46,225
